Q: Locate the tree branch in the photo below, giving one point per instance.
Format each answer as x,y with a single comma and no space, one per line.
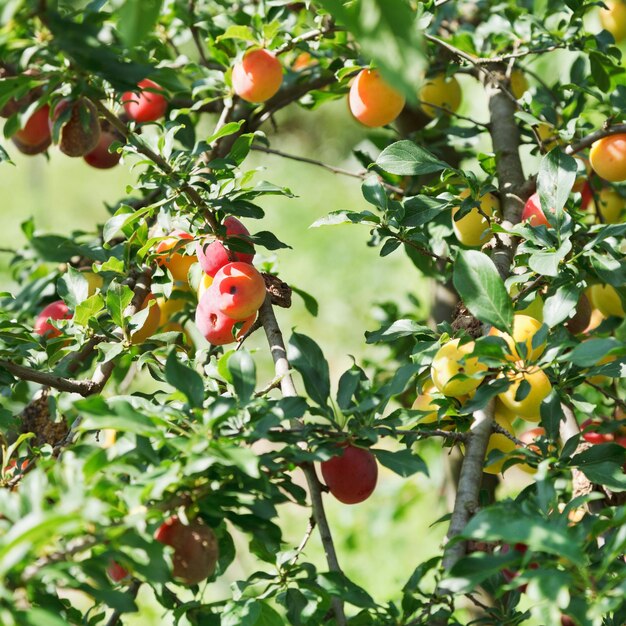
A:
606,131
282,369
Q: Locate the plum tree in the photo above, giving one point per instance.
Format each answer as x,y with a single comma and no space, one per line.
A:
174,431
351,475
372,101
258,76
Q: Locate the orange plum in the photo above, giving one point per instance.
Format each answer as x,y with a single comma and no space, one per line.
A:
372,101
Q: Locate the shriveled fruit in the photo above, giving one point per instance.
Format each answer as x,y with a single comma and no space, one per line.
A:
79,131
196,550
351,476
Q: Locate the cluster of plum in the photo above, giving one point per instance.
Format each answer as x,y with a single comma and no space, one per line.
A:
75,125
455,373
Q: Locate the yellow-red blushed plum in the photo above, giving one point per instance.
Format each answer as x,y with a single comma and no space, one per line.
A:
35,137
606,299
529,406
100,157
258,76
177,263
372,101
148,104
196,550
454,373
80,130
473,229
439,95
351,475
608,158
238,289
216,327
57,310
533,212
213,255
525,328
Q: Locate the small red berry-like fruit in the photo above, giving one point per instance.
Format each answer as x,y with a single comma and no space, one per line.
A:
35,136
216,327
195,549
148,105
100,157
80,132
214,255
258,76
57,310
239,290
351,476
116,572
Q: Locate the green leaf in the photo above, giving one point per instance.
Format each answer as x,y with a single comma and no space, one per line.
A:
338,585
243,374
117,414
88,309
118,298
137,19
403,462
73,287
590,352
406,158
309,301
400,328
184,379
41,617
244,33
557,173
306,356
602,464
482,290
508,522
558,306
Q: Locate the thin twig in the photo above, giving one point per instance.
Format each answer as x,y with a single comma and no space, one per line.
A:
330,168
608,394
282,369
317,33
605,131
307,535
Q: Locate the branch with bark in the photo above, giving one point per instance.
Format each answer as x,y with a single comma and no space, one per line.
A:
288,389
